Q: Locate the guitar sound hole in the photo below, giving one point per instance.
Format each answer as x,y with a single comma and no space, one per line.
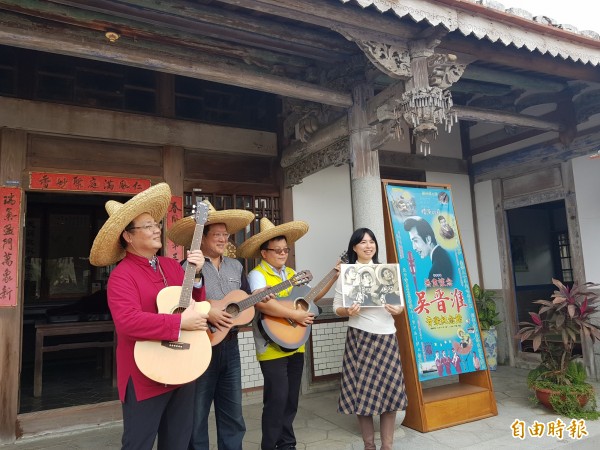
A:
232,309
302,304
178,310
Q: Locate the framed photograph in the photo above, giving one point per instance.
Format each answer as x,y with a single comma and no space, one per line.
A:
372,285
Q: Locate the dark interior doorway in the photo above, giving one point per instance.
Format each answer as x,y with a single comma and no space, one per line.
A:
67,326
540,251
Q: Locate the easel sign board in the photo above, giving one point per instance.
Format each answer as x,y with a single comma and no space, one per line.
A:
441,312
439,333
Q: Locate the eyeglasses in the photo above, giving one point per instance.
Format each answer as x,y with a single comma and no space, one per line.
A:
219,235
151,227
279,251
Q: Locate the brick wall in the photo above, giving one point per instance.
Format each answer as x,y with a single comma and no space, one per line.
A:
327,341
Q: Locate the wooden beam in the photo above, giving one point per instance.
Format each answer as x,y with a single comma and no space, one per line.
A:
322,138
218,23
418,162
523,59
500,138
331,15
101,124
503,77
19,33
505,118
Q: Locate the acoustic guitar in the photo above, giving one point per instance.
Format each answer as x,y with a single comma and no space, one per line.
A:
184,360
241,306
288,333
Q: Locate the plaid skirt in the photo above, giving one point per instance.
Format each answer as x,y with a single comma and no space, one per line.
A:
372,381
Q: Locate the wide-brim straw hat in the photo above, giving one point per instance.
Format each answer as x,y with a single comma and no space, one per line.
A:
291,230
107,249
364,269
182,231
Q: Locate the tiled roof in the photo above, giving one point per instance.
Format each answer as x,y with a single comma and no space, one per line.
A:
488,19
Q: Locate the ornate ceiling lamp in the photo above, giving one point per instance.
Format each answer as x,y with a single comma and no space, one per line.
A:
423,109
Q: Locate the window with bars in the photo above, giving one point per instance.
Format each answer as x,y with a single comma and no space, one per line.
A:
564,256
260,205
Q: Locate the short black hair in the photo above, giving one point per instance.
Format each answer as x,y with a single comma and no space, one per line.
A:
422,226
356,237
265,245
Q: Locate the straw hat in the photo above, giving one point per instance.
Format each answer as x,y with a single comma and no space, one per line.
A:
107,249
291,230
182,231
364,269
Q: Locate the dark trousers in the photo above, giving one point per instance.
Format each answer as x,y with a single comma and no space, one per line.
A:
280,400
221,383
170,415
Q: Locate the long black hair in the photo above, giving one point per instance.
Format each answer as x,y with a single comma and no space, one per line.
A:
356,237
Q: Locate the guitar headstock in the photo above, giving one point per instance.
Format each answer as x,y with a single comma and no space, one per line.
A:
344,258
200,211
301,278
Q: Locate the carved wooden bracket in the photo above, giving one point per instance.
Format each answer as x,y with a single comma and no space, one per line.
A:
302,118
391,59
444,70
334,154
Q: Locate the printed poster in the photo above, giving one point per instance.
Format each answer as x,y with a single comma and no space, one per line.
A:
371,285
441,311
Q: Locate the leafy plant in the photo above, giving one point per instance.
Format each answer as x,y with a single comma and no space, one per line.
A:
486,307
555,330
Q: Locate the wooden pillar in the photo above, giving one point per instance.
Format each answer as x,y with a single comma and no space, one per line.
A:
173,168
13,146
367,204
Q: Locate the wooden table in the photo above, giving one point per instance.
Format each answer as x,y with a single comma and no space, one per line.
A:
43,330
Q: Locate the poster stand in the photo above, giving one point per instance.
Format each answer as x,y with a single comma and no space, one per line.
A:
433,408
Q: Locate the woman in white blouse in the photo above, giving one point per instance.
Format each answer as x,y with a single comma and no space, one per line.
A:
372,381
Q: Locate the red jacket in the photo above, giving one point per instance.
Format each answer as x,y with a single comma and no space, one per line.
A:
132,290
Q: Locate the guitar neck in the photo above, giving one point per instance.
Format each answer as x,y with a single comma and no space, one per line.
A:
257,298
312,294
185,298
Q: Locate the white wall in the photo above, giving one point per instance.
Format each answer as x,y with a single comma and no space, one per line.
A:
488,236
587,188
461,196
447,144
324,201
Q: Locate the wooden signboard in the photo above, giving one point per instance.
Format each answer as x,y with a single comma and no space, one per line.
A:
440,317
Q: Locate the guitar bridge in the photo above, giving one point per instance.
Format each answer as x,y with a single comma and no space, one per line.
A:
175,345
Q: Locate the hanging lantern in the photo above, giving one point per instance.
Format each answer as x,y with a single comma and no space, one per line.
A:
423,109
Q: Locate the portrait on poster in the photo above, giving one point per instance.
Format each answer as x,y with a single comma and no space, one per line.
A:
372,285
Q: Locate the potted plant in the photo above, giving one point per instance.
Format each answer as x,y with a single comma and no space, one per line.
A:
555,329
488,319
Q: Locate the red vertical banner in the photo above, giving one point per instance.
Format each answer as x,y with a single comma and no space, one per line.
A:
10,226
174,213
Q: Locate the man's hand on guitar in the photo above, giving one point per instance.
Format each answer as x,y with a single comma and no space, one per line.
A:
302,317
196,257
220,319
192,320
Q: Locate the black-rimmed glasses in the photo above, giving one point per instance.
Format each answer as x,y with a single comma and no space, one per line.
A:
279,251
